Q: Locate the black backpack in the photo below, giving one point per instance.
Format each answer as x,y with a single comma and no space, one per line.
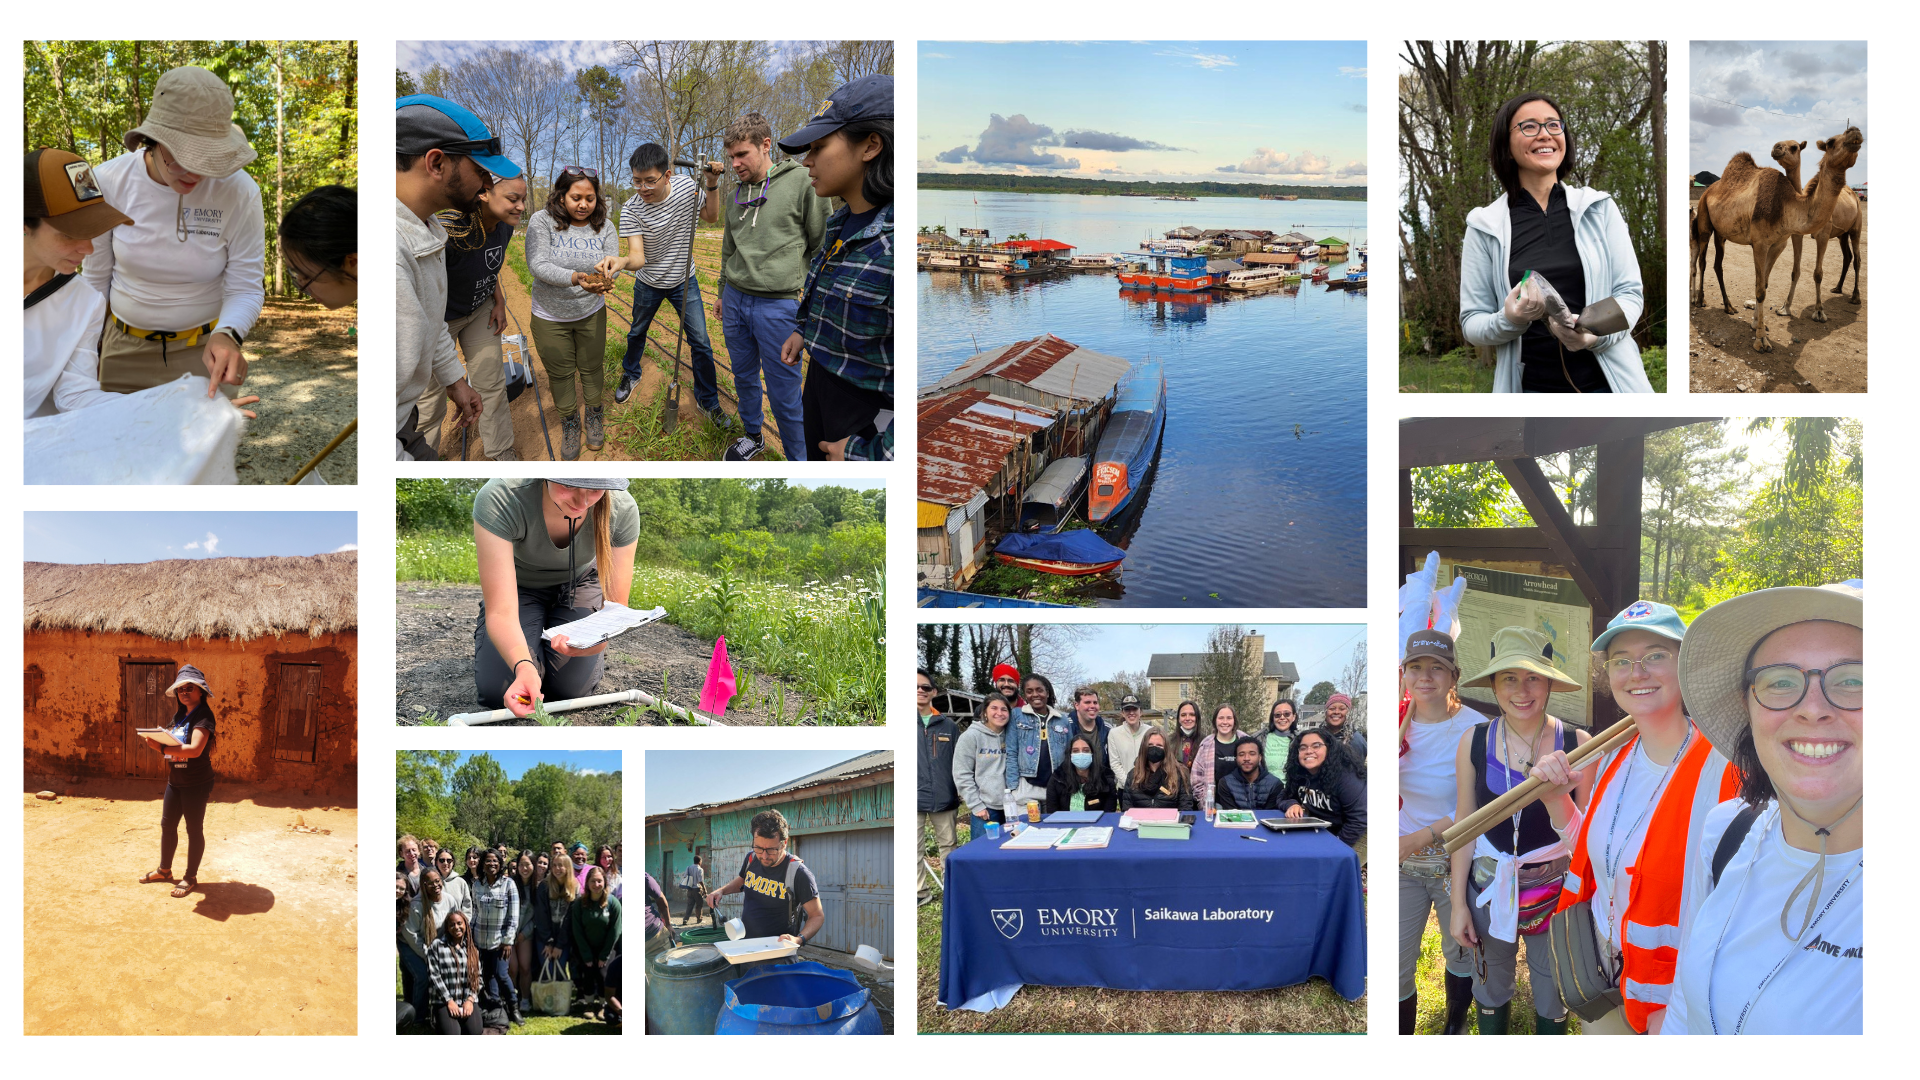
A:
795,917
1731,840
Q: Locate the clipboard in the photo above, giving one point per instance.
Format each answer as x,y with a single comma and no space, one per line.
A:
158,736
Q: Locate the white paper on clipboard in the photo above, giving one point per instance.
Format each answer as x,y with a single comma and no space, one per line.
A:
609,622
157,735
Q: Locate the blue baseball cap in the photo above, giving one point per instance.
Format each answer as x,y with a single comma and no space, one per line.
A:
1658,619
423,122
869,97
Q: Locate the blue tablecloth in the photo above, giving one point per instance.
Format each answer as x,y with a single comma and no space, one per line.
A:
1215,912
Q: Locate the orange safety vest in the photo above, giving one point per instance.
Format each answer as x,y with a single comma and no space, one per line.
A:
1650,927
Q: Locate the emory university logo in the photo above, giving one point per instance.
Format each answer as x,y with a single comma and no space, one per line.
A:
1008,921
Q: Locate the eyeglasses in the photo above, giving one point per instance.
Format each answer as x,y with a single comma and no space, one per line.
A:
1530,128
1657,660
769,852
1782,686
648,185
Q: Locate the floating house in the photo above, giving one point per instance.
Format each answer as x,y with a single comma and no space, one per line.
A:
1332,246
839,822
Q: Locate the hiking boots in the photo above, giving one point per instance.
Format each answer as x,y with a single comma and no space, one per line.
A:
570,437
716,417
596,427
746,447
509,454
625,390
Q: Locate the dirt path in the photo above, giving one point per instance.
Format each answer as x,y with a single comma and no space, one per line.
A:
303,361
638,420
434,665
1829,357
267,945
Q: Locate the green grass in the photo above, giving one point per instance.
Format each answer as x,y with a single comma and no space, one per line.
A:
999,579
438,557
517,259
1655,359
535,1025
1460,372
1430,983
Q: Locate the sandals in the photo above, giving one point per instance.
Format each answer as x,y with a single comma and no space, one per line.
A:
157,877
183,889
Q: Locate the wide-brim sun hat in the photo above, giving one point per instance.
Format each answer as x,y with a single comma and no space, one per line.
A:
189,675
598,483
1713,666
1516,648
192,116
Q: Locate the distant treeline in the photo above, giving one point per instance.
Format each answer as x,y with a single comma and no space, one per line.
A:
1073,185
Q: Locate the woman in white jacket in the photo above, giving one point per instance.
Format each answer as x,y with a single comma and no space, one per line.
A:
1574,238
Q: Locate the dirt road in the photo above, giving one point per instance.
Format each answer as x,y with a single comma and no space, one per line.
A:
304,362
266,945
1829,357
434,664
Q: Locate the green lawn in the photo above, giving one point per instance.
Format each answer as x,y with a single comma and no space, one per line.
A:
1430,983
575,1024
1460,372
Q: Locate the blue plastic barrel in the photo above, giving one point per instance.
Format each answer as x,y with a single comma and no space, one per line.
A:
797,999
685,988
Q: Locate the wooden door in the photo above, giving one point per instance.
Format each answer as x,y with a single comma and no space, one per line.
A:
296,733
144,689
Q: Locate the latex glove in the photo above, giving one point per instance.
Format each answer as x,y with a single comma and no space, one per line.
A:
1574,338
1524,303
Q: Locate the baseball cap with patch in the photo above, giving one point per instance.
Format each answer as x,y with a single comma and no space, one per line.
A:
1129,702
423,122
62,191
1435,643
869,97
1654,618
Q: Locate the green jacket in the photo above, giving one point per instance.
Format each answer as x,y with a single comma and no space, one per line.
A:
766,249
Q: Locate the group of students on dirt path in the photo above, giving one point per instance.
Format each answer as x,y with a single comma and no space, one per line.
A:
474,933
794,279
172,235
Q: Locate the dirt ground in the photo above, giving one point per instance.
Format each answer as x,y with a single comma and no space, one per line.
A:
646,398
303,361
266,945
1828,358
434,665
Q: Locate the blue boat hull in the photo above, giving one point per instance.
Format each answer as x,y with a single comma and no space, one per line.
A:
948,598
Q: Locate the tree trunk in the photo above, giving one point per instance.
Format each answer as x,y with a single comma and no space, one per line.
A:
139,105
1657,94
52,61
279,157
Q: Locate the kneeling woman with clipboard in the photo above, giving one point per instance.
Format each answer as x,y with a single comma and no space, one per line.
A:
187,748
526,534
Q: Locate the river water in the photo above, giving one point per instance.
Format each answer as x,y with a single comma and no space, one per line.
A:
1259,499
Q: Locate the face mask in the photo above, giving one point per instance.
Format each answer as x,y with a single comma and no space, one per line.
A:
1186,729
1156,754
1081,761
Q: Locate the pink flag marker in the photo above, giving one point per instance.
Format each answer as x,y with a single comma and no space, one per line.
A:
719,688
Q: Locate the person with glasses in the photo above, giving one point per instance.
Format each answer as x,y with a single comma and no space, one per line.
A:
1774,681
445,159
1648,810
569,244
1573,239
660,220
774,225
780,897
320,245
184,279
527,534
937,795
477,313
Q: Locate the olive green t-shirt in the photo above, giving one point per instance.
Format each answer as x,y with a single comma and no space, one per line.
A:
510,510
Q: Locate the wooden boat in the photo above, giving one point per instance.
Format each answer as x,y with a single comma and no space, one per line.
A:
1124,458
1320,272
1261,277
1355,279
1050,502
1054,566
1073,553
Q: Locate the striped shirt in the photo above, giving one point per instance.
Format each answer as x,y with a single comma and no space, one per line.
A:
666,228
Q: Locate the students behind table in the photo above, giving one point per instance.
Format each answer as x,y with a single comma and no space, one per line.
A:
1214,758
476,314
846,308
1249,786
65,212
1081,783
980,765
1156,781
596,934
319,242
1186,734
1338,708
1088,721
453,979
1036,741
1276,739
1321,782
1123,740
1006,680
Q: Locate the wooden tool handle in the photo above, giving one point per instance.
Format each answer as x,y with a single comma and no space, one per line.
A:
1525,794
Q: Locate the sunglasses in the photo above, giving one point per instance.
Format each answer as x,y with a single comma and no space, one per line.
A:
580,170
473,147
925,687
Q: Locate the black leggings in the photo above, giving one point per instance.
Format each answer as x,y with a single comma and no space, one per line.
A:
465,1025
190,803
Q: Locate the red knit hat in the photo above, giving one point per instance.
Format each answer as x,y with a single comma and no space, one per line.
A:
1006,669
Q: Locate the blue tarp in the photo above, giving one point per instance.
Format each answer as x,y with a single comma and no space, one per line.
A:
1211,913
1076,545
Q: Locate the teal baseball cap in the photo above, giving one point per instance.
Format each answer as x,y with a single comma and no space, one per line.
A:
1654,618
423,122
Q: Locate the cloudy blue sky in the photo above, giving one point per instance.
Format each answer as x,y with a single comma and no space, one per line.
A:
1274,112
144,536
417,56
1803,90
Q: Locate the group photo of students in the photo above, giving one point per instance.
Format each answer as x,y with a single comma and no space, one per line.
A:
767,216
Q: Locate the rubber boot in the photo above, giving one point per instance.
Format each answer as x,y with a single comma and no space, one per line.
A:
1493,1021
1459,1000
1544,1026
570,437
596,427
1410,1013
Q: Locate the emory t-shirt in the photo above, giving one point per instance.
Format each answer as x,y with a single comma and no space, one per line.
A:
1735,939
1427,792
511,510
666,228
474,272
765,896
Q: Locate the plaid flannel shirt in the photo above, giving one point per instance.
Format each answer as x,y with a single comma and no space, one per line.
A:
496,912
446,975
846,314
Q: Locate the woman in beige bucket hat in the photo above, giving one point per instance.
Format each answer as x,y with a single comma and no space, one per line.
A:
185,281
1773,679
1509,879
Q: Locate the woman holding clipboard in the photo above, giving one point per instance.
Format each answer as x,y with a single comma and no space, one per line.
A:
189,778
527,534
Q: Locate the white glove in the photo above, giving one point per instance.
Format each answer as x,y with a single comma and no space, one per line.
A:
1524,303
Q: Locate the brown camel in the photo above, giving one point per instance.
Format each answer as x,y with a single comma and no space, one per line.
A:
1845,227
1762,209
1787,153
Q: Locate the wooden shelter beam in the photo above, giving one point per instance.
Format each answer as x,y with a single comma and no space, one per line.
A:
1457,441
1537,495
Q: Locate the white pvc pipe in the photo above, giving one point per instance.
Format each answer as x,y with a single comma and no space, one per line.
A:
620,697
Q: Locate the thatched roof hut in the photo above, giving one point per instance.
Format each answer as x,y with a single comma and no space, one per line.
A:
277,638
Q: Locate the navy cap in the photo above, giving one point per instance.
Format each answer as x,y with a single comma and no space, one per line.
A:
869,97
1129,702
1657,619
423,122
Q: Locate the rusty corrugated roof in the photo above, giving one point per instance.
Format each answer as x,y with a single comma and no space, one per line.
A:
1048,364
965,436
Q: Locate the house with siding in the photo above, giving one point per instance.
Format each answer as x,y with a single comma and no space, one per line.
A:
839,822
1174,677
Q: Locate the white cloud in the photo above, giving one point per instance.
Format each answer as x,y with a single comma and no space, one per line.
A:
210,545
935,56
1200,59
1354,72
347,547
592,772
